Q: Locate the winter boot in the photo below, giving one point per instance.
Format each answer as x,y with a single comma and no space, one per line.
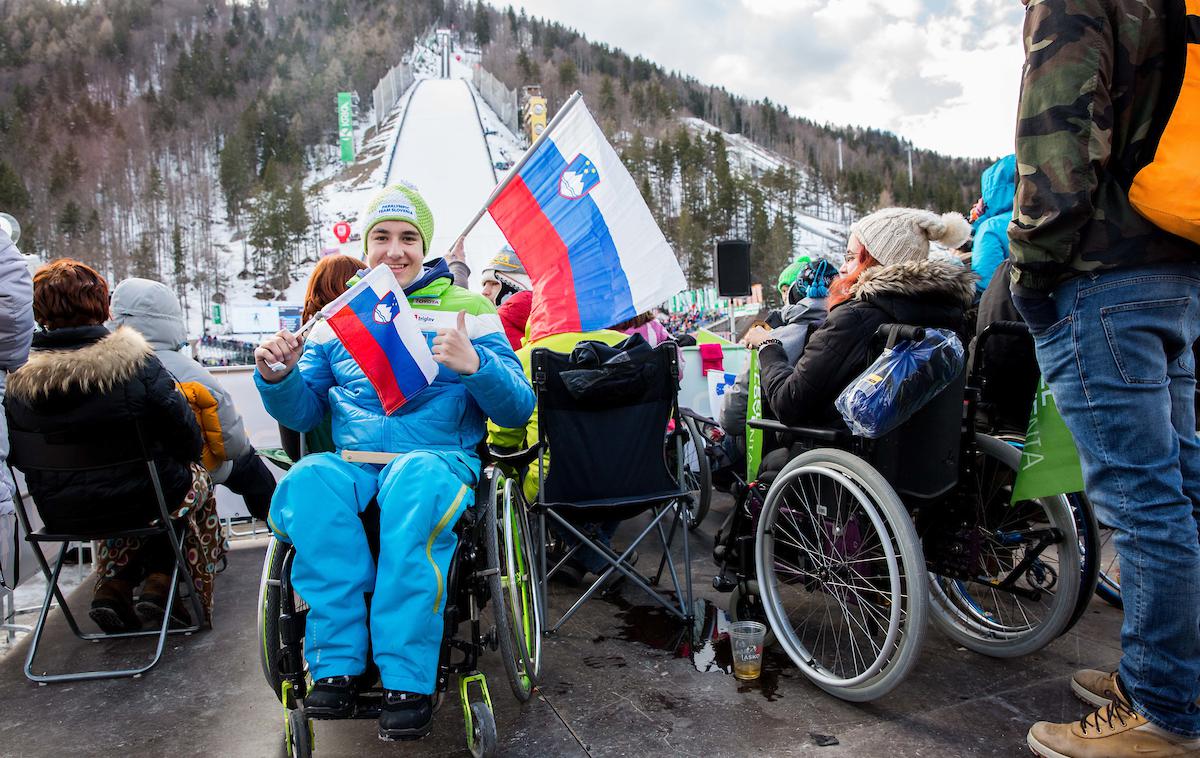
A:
112,607
153,602
333,697
405,716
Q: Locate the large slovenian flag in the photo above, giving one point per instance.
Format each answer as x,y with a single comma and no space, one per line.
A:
577,221
375,324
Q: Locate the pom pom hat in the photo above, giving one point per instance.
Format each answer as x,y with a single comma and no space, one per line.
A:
899,235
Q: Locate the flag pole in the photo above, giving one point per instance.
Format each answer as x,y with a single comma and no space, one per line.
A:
304,329
516,169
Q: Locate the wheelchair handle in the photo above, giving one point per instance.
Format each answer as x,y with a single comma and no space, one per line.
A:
997,328
894,333
826,435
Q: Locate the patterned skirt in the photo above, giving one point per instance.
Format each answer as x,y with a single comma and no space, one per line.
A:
204,542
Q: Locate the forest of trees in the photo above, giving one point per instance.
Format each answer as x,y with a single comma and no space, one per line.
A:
129,129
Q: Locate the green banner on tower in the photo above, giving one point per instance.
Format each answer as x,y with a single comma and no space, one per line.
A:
346,126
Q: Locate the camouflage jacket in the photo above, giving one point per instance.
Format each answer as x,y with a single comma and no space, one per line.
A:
1095,71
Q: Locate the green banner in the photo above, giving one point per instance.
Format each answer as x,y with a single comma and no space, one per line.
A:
345,105
1049,461
754,437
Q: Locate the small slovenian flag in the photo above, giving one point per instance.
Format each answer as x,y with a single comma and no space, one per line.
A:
375,324
577,221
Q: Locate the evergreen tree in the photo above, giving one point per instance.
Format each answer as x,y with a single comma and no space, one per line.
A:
179,263
483,24
568,74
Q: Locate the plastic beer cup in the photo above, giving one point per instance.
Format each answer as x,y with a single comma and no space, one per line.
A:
746,641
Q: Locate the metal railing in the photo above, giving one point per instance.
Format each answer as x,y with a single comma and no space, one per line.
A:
385,95
501,99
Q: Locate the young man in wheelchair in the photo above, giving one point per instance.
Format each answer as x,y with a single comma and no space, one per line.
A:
421,493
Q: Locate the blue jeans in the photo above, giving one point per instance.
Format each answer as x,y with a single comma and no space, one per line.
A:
1116,350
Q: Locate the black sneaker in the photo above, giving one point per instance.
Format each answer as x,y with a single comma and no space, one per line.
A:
333,697
405,715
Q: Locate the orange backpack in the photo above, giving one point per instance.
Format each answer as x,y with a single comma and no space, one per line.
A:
1167,190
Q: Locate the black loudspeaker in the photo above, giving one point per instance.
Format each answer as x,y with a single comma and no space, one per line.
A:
731,264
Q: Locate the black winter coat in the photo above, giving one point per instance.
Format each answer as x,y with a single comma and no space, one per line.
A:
81,380
928,293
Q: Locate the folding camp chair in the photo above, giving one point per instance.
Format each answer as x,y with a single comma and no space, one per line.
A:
32,451
603,414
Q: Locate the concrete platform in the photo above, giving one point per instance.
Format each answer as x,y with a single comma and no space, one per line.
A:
613,685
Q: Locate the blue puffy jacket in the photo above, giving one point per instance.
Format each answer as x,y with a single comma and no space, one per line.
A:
448,415
999,185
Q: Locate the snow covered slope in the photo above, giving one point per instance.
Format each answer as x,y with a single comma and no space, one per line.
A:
441,150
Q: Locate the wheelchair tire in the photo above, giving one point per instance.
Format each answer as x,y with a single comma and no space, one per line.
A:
982,620
268,613
512,586
1109,585
297,734
698,482
748,606
482,741
1090,554
885,603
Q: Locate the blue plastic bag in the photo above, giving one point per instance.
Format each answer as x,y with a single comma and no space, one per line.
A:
900,382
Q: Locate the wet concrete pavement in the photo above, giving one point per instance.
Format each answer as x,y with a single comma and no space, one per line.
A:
614,684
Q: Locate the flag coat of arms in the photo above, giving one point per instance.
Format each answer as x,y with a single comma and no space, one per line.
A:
375,324
577,221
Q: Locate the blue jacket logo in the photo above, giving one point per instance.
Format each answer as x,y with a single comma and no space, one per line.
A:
386,309
578,178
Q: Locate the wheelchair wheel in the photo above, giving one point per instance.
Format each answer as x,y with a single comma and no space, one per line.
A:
1109,586
748,606
1091,559
297,734
482,741
1011,602
268,612
841,574
513,587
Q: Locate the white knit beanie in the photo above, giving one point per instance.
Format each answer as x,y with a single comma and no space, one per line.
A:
898,235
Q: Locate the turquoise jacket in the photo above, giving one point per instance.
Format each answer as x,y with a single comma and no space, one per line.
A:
998,185
450,415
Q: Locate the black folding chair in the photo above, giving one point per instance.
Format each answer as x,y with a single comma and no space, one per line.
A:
121,445
602,415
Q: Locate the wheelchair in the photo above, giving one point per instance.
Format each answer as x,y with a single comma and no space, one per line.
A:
493,560
852,546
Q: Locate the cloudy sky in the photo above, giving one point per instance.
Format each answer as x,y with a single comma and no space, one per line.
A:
942,73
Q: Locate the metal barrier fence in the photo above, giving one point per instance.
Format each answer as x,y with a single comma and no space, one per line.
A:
501,99
388,91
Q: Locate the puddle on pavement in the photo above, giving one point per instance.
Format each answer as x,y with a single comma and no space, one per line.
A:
707,646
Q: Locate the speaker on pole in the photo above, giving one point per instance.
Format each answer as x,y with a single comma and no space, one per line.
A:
731,264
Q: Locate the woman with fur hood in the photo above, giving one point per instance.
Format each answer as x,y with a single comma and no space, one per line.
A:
79,382
890,279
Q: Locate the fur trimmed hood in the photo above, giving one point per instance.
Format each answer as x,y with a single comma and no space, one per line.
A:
918,279
93,368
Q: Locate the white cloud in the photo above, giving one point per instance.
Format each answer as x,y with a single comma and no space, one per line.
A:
943,73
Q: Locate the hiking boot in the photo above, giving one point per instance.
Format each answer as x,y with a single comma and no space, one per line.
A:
1095,688
332,697
1113,731
152,603
112,607
405,715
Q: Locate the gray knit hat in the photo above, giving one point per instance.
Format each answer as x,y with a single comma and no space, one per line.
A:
898,235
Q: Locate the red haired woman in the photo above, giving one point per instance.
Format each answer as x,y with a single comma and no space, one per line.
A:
889,278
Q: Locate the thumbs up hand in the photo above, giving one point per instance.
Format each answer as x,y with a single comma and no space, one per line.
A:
453,349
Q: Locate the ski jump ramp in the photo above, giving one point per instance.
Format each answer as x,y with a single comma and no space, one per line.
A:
441,149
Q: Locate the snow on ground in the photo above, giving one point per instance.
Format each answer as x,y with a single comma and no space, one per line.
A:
442,151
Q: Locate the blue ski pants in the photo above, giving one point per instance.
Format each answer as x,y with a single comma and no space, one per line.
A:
316,508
